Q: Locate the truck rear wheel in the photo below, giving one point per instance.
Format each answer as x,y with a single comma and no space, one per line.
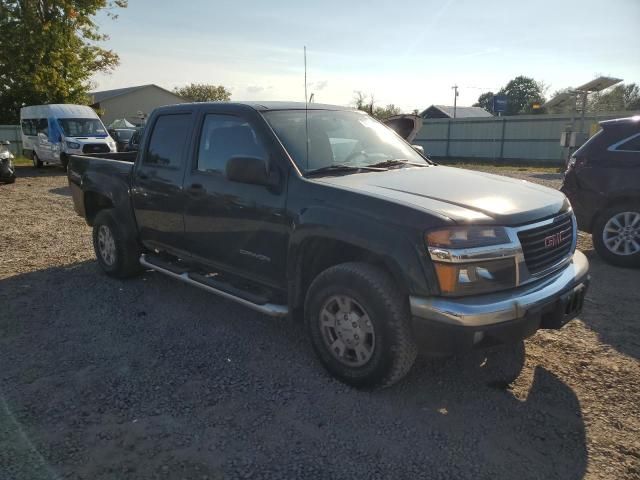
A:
616,235
359,325
117,256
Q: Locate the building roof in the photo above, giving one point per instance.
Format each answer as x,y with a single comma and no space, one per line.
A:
103,95
461,112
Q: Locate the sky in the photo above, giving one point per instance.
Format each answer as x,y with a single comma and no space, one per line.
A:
409,53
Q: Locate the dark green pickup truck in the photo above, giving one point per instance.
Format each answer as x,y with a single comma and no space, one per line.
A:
323,213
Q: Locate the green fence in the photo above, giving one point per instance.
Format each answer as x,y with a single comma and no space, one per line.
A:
531,138
12,133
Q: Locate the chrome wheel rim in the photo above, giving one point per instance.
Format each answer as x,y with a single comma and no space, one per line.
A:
106,245
621,234
347,331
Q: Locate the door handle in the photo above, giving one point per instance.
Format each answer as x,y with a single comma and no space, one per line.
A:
196,188
143,176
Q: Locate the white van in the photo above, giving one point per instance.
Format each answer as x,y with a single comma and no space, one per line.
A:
52,132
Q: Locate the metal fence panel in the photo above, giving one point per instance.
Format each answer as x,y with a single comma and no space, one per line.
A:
521,137
12,133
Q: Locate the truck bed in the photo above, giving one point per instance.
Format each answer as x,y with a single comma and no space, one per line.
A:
106,174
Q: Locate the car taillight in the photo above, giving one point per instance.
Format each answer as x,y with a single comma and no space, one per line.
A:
576,162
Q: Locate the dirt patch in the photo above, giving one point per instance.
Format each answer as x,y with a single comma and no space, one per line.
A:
150,378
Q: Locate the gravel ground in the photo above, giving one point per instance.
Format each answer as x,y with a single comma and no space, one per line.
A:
150,378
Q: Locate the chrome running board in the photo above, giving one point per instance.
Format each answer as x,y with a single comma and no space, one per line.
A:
270,309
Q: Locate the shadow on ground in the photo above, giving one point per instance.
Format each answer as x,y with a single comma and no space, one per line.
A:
23,171
611,307
64,191
151,378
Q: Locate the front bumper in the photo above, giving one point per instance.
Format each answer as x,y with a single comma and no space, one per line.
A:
449,325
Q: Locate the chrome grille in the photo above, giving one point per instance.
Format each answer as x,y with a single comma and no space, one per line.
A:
547,245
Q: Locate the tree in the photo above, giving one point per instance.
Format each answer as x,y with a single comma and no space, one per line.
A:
202,92
485,101
367,104
522,92
615,99
49,50
385,112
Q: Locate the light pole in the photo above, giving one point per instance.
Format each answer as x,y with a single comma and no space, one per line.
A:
455,100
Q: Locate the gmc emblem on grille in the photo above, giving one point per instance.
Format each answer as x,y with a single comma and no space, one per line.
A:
554,240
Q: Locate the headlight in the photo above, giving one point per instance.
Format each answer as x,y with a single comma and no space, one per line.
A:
473,260
73,145
467,237
477,277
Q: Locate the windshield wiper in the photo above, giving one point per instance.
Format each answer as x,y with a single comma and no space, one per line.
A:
396,161
343,168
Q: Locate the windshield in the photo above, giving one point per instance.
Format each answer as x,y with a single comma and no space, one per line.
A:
124,134
338,138
82,127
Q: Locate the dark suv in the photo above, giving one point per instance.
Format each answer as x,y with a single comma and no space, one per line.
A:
602,182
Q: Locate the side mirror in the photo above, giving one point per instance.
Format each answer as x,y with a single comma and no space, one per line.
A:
418,148
5,142
251,170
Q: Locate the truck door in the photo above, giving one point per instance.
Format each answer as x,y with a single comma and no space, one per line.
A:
157,193
237,227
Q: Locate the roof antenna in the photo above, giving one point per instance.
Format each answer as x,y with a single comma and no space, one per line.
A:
306,106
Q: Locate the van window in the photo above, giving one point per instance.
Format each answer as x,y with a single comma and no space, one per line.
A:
29,127
82,127
224,136
168,139
42,127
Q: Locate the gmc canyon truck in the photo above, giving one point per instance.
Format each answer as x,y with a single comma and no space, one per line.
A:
326,214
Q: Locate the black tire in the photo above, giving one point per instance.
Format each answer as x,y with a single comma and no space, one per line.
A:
394,350
37,163
621,260
125,261
11,179
64,161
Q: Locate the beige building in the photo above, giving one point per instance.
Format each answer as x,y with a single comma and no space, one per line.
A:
132,103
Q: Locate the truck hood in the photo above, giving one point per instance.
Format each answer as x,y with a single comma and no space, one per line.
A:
463,196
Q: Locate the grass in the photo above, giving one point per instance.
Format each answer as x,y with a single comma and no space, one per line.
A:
21,161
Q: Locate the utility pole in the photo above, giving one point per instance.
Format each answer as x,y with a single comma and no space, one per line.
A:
455,99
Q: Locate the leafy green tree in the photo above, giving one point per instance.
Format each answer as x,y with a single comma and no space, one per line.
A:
49,50
367,104
385,112
522,92
485,101
202,92
618,98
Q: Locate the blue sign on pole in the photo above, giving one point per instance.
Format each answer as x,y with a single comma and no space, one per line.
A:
499,103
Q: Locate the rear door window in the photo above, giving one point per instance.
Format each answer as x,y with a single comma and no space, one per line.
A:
168,140
627,144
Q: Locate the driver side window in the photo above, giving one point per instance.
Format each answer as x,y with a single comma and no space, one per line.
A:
223,137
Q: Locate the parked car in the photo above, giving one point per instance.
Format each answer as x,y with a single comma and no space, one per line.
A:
327,213
122,137
7,169
50,133
603,183
134,141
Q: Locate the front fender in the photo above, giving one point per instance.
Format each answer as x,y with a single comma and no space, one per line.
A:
401,250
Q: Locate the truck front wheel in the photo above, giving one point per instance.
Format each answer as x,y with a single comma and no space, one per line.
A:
358,323
117,256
